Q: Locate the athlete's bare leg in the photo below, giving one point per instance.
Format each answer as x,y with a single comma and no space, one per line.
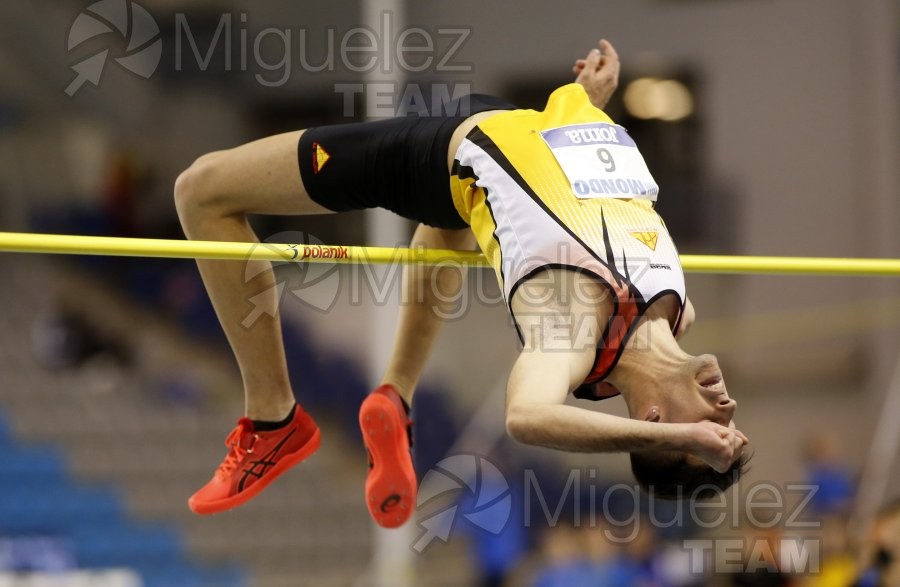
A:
428,294
428,291
213,198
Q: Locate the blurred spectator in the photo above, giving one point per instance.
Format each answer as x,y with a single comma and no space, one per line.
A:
828,471
564,560
599,555
674,565
622,556
838,566
499,540
63,338
881,550
760,562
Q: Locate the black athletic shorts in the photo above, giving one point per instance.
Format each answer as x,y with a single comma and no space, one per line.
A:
399,164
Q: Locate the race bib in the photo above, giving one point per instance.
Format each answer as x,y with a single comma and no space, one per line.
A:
600,160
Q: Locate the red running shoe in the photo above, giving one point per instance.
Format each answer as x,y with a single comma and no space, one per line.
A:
387,433
254,460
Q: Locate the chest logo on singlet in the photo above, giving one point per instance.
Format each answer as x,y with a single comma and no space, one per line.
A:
601,160
648,237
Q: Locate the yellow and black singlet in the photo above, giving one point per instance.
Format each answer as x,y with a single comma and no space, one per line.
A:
566,187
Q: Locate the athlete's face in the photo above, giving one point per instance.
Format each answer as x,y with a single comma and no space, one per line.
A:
696,393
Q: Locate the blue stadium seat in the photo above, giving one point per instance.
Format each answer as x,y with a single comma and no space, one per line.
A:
4,431
40,499
23,464
54,506
119,543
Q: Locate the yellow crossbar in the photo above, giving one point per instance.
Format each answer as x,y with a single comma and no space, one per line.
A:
19,242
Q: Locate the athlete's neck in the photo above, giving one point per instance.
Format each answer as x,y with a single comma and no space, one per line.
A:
651,358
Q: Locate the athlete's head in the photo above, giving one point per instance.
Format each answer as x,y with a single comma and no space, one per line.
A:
674,475
682,391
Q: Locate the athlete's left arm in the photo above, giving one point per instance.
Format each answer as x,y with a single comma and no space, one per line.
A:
599,73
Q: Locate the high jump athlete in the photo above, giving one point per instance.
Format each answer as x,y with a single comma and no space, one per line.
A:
562,204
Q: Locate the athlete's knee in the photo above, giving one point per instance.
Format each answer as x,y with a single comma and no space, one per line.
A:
443,283
198,188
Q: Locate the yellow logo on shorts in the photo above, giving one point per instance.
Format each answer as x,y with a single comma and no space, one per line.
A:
648,237
320,157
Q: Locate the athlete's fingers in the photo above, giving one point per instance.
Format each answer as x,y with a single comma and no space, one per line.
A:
721,466
579,65
592,62
610,64
742,436
609,52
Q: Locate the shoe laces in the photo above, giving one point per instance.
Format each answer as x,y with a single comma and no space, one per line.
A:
240,443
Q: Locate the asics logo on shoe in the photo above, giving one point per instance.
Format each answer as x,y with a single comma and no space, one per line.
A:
265,462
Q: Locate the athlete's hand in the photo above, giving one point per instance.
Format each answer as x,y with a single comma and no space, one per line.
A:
599,73
716,445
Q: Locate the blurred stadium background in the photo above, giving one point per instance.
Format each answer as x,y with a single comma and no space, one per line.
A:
771,125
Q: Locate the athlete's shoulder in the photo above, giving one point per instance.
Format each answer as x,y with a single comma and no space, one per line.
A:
573,101
568,104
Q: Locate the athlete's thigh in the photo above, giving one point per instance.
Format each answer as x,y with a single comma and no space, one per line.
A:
260,177
460,239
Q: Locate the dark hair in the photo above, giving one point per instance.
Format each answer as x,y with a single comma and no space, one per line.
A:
675,475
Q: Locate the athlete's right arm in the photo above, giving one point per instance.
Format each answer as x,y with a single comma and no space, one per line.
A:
560,315
536,414
560,320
